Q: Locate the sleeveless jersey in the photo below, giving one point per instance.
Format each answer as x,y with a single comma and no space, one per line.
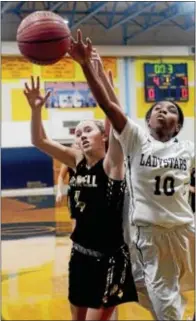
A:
97,205
159,176
71,174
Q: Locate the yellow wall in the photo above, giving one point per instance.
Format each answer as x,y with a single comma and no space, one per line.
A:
16,70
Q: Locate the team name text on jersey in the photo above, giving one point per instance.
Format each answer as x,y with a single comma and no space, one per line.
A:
171,162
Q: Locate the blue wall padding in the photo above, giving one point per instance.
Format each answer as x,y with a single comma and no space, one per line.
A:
19,166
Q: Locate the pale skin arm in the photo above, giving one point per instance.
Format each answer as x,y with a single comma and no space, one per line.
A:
107,81
73,224
60,182
66,155
82,54
98,65
114,160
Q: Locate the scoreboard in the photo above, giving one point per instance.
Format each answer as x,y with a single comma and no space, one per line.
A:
165,81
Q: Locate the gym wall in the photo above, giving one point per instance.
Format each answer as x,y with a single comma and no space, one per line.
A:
126,64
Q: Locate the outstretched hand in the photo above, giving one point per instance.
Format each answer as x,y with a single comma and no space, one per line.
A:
33,94
80,51
98,66
96,61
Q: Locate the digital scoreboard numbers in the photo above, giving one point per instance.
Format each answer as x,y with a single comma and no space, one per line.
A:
164,81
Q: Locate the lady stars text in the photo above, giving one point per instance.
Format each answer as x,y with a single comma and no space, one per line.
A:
171,162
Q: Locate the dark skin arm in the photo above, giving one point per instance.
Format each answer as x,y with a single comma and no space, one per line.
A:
82,54
107,81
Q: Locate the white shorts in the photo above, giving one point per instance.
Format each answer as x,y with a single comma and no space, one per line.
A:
163,266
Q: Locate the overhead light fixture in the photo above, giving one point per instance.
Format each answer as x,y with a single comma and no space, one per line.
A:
65,19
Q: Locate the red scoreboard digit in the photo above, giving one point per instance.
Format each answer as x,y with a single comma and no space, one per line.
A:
151,94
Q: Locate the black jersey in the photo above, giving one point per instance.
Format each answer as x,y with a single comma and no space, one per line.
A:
71,174
97,205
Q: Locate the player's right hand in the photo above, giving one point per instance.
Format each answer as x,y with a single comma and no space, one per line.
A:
33,94
80,51
59,198
97,62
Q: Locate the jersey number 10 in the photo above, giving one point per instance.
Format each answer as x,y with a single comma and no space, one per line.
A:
168,185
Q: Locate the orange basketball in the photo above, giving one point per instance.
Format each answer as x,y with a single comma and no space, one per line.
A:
43,37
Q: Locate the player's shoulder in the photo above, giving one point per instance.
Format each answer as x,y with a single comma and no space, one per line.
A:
136,128
186,145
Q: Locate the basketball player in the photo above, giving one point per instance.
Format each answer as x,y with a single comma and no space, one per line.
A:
100,275
159,175
65,173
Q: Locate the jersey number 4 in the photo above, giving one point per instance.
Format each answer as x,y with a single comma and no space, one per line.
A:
168,185
79,204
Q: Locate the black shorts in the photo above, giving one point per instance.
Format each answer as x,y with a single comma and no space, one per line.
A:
96,282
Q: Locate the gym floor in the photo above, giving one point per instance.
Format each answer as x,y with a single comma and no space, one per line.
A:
35,255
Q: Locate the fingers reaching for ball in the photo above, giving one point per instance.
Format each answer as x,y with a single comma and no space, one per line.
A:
79,36
96,61
47,96
80,51
33,94
33,85
89,44
38,83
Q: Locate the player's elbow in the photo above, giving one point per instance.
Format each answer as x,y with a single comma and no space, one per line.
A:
37,141
117,117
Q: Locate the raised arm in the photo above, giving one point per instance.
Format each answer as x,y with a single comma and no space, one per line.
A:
82,54
106,79
130,135
111,109
114,160
64,154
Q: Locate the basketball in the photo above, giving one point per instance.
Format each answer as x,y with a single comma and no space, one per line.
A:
43,37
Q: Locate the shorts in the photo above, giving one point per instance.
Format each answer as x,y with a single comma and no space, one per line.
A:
97,280
163,264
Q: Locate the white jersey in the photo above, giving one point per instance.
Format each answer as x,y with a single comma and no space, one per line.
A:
159,177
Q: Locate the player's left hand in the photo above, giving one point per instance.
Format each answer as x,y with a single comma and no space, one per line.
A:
33,94
80,51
